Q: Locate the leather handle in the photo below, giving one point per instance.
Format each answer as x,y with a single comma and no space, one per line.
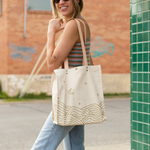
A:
85,63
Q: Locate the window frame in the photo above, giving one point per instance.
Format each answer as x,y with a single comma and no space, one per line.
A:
40,11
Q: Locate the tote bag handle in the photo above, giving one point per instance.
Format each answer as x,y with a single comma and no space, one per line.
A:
85,63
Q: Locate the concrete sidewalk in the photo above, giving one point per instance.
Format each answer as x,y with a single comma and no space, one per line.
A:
20,124
111,147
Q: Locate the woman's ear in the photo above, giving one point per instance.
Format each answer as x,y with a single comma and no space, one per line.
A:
78,1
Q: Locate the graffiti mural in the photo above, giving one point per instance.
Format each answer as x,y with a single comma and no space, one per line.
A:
99,47
21,52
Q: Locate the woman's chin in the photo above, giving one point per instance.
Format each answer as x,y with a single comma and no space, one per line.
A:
66,15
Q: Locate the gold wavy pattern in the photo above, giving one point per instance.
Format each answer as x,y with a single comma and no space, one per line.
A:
67,115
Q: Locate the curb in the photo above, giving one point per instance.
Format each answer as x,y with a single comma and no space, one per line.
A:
111,147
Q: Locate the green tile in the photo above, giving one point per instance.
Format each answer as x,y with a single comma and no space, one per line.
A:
149,46
145,77
130,23
139,7
140,145
134,8
140,136
145,85
134,123
134,77
145,118
145,147
140,97
145,6
134,58
134,18
145,36
145,139
134,28
140,87
149,25
138,18
140,117
134,145
134,47
139,58
145,108
145,26
140,77
134,67
135,136
145,128
145,56
134,38
145,98
145,16
149,133
149,125
140,27
140,47
131,38
149,15
140,36
149,108
135,106
145,67
134,86
145,46
139,108
134,96
140,67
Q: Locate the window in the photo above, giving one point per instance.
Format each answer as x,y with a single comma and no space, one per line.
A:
0,6
41,5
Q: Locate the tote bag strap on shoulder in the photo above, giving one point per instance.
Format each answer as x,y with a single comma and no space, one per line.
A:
85,63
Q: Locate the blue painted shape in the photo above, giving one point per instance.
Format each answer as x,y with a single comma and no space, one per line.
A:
16,55
30,50
99,47
21,52
97,53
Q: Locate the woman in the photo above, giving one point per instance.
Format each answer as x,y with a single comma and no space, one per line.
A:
69,45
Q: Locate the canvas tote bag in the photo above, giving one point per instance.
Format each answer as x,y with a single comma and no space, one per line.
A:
77,93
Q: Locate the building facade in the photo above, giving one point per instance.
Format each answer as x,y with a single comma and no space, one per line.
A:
140,74
23,35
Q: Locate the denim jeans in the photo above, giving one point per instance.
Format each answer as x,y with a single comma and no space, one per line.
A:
52,134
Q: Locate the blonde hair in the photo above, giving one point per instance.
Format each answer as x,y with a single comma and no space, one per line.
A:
77,9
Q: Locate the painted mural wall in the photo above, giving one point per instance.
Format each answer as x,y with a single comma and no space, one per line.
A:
108,21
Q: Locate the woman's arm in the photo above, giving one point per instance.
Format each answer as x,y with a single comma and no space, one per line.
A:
57,55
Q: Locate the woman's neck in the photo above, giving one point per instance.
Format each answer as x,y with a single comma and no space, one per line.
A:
66,19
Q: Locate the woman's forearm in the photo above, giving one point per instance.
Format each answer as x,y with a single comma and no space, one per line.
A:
50,46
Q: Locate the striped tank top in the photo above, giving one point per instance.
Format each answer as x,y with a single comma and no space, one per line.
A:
75,57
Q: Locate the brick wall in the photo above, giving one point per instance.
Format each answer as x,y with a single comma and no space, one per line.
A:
110,20
3,39
107,19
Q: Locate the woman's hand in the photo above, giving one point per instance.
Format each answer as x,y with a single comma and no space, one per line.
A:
55,25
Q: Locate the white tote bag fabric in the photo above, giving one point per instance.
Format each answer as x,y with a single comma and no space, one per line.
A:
77,93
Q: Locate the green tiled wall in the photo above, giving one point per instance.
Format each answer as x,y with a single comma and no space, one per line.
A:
140,74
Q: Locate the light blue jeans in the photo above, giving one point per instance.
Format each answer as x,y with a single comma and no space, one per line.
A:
52,134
